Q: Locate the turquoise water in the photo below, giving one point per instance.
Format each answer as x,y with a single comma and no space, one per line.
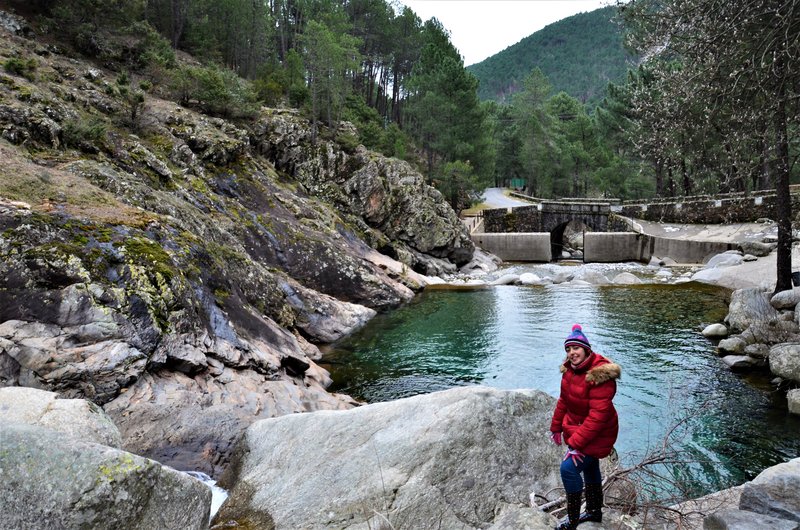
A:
510,337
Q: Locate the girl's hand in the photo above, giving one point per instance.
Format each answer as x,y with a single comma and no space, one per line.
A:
556,437
576,456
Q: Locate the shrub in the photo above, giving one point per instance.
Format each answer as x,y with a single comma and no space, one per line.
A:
151,49
82,133
214,90
23,67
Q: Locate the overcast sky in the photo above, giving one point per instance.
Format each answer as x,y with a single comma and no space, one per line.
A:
481,28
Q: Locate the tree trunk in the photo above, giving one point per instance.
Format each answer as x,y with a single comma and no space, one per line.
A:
783,200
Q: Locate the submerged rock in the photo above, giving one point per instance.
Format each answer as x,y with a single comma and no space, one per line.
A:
455,458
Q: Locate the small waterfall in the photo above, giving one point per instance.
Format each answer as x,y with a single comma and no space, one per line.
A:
218,495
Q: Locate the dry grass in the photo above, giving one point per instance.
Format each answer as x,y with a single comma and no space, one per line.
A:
48,189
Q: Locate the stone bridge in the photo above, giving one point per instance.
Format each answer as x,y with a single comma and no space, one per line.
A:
552,217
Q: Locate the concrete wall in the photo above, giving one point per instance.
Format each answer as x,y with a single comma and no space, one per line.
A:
612,247
530,246
609,247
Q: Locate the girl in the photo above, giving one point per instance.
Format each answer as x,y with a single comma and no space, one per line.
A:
585,419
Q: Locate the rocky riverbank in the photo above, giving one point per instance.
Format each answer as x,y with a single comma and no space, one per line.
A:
180,269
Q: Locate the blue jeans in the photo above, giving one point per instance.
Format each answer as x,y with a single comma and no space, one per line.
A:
571,474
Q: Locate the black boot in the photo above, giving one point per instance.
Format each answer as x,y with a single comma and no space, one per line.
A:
573,512
594,504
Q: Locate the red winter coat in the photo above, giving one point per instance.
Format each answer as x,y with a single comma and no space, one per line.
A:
584,412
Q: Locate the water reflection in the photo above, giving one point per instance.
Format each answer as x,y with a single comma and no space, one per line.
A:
512,337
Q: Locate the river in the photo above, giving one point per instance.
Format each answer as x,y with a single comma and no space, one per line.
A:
731,426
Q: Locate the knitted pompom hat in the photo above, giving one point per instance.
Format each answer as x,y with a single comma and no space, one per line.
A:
577,338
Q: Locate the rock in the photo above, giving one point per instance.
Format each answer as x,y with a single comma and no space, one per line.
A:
771,332
756,248
455,457
738,362
715,330
562,276
47,352
515,517
13,24
506,279
749,257
787,299
726,259
592,276
76,419
774,492
784,360
735,345
528,278
386,192
744,520
655,262
626,278
53,482
758,350
793,400
712,276
668,262
747,307
194,422
481,260
323,317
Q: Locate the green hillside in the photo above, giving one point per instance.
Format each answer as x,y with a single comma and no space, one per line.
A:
579,54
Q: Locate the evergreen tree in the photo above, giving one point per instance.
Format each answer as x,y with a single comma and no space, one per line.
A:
738,66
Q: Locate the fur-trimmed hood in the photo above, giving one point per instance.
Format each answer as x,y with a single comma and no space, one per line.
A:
602,369
604,372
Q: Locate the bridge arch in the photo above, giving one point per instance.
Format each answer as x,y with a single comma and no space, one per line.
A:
559,236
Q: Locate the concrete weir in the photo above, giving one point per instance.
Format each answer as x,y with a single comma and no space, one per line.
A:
609,247
601,247
523,246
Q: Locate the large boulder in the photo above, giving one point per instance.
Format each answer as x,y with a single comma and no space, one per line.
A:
787,299
77,419
774,492
49,482
745,520
747,307
726,259
784,360
756,248
453,459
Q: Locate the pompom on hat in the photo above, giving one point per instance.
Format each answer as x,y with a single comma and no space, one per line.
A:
577,338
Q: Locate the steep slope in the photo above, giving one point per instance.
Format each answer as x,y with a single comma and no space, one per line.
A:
579,55
178,269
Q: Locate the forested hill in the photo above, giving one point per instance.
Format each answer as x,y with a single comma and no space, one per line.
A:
579,55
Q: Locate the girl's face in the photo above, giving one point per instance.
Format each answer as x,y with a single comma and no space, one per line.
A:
576,354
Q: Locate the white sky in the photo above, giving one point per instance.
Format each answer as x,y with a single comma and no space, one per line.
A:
481,28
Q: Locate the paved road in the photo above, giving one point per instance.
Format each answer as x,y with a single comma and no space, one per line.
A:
495,198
